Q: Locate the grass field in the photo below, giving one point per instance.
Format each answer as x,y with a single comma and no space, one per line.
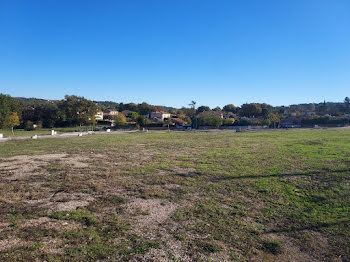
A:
254,196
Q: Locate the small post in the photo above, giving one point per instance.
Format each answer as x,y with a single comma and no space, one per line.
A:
1,136
53,132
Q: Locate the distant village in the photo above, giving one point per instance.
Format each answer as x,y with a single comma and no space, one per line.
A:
29,113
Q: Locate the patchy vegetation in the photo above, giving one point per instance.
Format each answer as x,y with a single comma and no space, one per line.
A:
253,196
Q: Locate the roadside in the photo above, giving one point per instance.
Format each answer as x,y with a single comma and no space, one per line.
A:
70,134
74,134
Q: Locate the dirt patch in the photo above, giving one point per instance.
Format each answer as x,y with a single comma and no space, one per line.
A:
171,186
291,251
49,223
6,244
152,222
52,246
4,226
63,201
21,167
152,211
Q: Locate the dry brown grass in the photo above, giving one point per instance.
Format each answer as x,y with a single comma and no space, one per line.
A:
165,197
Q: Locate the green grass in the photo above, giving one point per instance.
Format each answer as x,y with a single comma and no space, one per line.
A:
239,196
80,215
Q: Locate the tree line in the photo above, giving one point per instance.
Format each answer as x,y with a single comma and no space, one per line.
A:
78,111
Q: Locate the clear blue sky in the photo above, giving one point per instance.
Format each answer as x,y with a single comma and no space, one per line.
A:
170,52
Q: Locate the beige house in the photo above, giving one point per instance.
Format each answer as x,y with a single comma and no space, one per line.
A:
99,115
160,115
110,113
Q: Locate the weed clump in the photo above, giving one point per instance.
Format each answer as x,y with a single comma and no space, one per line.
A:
273,246
79,215
209,247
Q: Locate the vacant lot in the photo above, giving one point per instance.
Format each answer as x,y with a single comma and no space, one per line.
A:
259,196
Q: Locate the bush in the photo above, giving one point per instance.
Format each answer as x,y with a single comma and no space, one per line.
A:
209,247
273,246
244,121
28,126
228,122
39,125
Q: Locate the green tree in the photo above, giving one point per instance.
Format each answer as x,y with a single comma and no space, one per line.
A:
131,107
251,110
209,119
78,110
168,122
141,121
192,114
230,108
188,120
144,109
322,108
244,121
8,105
134,115
120,120
12,121
217,109
266,110
201,109
47,113
347,104
275,120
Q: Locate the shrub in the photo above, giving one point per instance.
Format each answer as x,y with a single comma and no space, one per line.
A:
273,246
39,125
228,121
209,247
244,121
28,126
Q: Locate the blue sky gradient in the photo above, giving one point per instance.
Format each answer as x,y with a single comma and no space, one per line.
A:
171,52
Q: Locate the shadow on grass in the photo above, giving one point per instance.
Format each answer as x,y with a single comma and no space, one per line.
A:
309,227
311,173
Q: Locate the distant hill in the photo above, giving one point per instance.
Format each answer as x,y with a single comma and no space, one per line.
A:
31,101
34,101
108,104
168,108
